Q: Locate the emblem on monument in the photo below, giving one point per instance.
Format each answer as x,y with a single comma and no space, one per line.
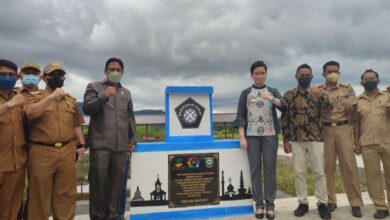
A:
190,113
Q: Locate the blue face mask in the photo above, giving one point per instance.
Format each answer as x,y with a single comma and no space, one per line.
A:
30,80
7,82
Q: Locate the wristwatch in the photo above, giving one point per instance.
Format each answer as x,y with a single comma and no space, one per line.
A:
9,105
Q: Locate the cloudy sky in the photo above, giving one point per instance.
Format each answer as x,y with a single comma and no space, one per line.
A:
202,42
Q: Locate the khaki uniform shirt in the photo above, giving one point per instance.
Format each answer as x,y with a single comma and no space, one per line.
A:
13,153
337,96
57,122
373,116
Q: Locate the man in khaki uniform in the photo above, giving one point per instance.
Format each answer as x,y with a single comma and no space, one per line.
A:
372,127
337,135
30,75
55,131
12,143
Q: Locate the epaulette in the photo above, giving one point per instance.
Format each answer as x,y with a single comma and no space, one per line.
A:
345,85
71,97
36,92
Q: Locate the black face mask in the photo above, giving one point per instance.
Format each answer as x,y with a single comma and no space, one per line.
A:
370,85
304,82
55,82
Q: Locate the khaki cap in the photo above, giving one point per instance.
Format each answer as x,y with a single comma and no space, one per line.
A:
51,67
30,64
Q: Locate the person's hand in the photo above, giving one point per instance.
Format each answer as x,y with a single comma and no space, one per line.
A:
358,149
18,100
348,105
266,96
110,91
287,147
131,147
58,94
243,143
80,153
315,90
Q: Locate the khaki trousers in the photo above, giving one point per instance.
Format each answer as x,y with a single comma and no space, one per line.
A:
339,146
52,182
11,193
303,154
372,156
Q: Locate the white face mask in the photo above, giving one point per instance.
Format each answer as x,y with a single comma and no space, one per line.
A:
114,76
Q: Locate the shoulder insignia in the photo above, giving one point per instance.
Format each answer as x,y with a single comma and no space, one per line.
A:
345,85
71,97
36,92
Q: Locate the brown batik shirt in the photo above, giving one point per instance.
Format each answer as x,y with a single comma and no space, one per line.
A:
302,117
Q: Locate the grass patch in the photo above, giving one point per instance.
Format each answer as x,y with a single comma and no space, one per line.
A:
285,180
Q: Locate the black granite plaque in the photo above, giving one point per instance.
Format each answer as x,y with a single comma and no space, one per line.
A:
193,179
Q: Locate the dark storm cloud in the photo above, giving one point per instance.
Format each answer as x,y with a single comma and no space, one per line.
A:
197,42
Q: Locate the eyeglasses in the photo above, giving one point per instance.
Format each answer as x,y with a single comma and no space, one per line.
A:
10,74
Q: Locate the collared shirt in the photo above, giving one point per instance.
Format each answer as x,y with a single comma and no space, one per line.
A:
302,118
373,116
57,122
13,153
337,96
112,124
26,91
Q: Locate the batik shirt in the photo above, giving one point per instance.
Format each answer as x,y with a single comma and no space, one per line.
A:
260,121
303,115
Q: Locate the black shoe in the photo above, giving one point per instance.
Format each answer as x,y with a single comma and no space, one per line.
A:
332,207
324,212
259,216
357,212
380,214
270,216
301,210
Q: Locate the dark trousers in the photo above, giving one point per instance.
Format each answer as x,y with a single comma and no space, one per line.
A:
262,151
122,202
105,183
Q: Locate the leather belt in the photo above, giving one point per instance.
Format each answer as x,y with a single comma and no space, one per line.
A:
56,145
335,124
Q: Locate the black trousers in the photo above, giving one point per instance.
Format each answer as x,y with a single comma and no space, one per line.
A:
105,183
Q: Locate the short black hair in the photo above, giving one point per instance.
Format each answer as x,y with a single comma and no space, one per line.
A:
369,71
330,63
114,60
256,64
9,64
303,66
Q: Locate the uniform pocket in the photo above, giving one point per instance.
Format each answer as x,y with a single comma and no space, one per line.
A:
68,114
4,119
364,110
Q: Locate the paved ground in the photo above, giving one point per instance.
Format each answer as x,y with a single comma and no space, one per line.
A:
285,206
